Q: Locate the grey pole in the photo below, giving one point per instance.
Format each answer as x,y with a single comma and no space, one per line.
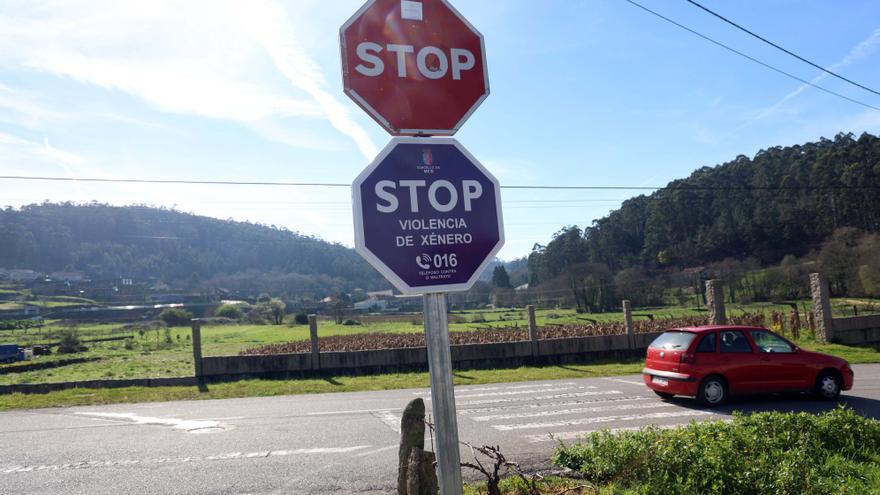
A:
197,350
313,336
442,393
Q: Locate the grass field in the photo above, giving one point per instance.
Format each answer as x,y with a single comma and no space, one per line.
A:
160,353
157,354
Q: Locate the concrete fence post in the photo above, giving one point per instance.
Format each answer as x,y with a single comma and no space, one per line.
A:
533,330
628,322
821,308
715,302
197,349
313,335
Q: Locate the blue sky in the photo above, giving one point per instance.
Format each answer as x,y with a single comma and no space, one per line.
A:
591,92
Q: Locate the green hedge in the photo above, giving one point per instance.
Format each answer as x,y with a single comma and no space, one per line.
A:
837,452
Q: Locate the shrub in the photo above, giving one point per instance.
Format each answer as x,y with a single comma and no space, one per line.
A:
70,342
301,319
772,452
176,317
129,344
351,323
231,311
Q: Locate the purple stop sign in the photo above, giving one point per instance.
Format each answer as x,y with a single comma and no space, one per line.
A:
427,215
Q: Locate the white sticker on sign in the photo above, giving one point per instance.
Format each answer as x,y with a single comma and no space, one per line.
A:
411,11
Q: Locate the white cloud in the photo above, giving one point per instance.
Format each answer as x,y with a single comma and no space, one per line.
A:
229,59
267,22
858,52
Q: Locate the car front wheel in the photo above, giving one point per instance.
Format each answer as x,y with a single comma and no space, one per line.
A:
712,392
827,386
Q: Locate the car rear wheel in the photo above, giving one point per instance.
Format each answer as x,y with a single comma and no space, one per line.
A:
664,395
712,391
827,386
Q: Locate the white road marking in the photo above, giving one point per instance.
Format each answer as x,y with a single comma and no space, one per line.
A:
601,419
356,411
383,449
575,435
189,425
518,392
513,387
571,395
390,419
544,405
629,382
180,460
579,410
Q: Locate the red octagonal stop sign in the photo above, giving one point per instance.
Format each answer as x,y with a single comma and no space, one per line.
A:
417,67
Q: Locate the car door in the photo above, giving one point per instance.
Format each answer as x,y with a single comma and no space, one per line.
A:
781,366
741,366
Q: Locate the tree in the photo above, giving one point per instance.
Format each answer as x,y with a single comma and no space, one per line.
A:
176,317
271,310
500,278
232,311
277,307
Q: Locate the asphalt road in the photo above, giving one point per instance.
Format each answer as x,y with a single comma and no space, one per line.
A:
334,443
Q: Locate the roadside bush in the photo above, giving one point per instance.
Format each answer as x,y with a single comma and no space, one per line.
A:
351,323
780,453
69,342
232,311
176,317
301,319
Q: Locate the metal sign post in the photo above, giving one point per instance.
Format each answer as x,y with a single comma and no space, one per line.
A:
442,393
427,213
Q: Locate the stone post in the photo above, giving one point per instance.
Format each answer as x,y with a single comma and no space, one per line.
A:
415,468
197,349
533,330
715,302
628,322
821,308
313,335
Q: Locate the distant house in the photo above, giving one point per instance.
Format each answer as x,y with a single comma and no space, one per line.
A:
372,305
67,276
377,301
522,288
23,276
382,294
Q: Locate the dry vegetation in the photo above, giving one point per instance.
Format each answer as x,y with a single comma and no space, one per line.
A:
375,341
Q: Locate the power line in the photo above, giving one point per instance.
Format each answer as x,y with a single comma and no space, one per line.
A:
511,187
753,59
795,55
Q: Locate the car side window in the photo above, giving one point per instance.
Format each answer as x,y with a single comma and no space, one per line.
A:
708,343
768,342
734,341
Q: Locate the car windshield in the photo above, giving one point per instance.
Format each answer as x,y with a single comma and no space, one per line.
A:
673,340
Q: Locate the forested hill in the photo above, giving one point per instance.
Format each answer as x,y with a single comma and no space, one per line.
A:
177,248
782,201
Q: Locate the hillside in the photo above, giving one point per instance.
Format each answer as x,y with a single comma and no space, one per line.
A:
784,201
177,248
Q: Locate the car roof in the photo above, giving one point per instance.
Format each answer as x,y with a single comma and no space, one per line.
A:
709,328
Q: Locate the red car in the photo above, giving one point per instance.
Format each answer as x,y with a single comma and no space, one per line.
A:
714,362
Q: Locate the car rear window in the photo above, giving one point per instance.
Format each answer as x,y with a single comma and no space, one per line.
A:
673,340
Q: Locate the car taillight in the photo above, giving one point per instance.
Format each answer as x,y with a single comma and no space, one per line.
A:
687,358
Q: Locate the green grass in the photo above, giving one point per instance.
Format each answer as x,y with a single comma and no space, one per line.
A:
837,452
263,388
151,357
